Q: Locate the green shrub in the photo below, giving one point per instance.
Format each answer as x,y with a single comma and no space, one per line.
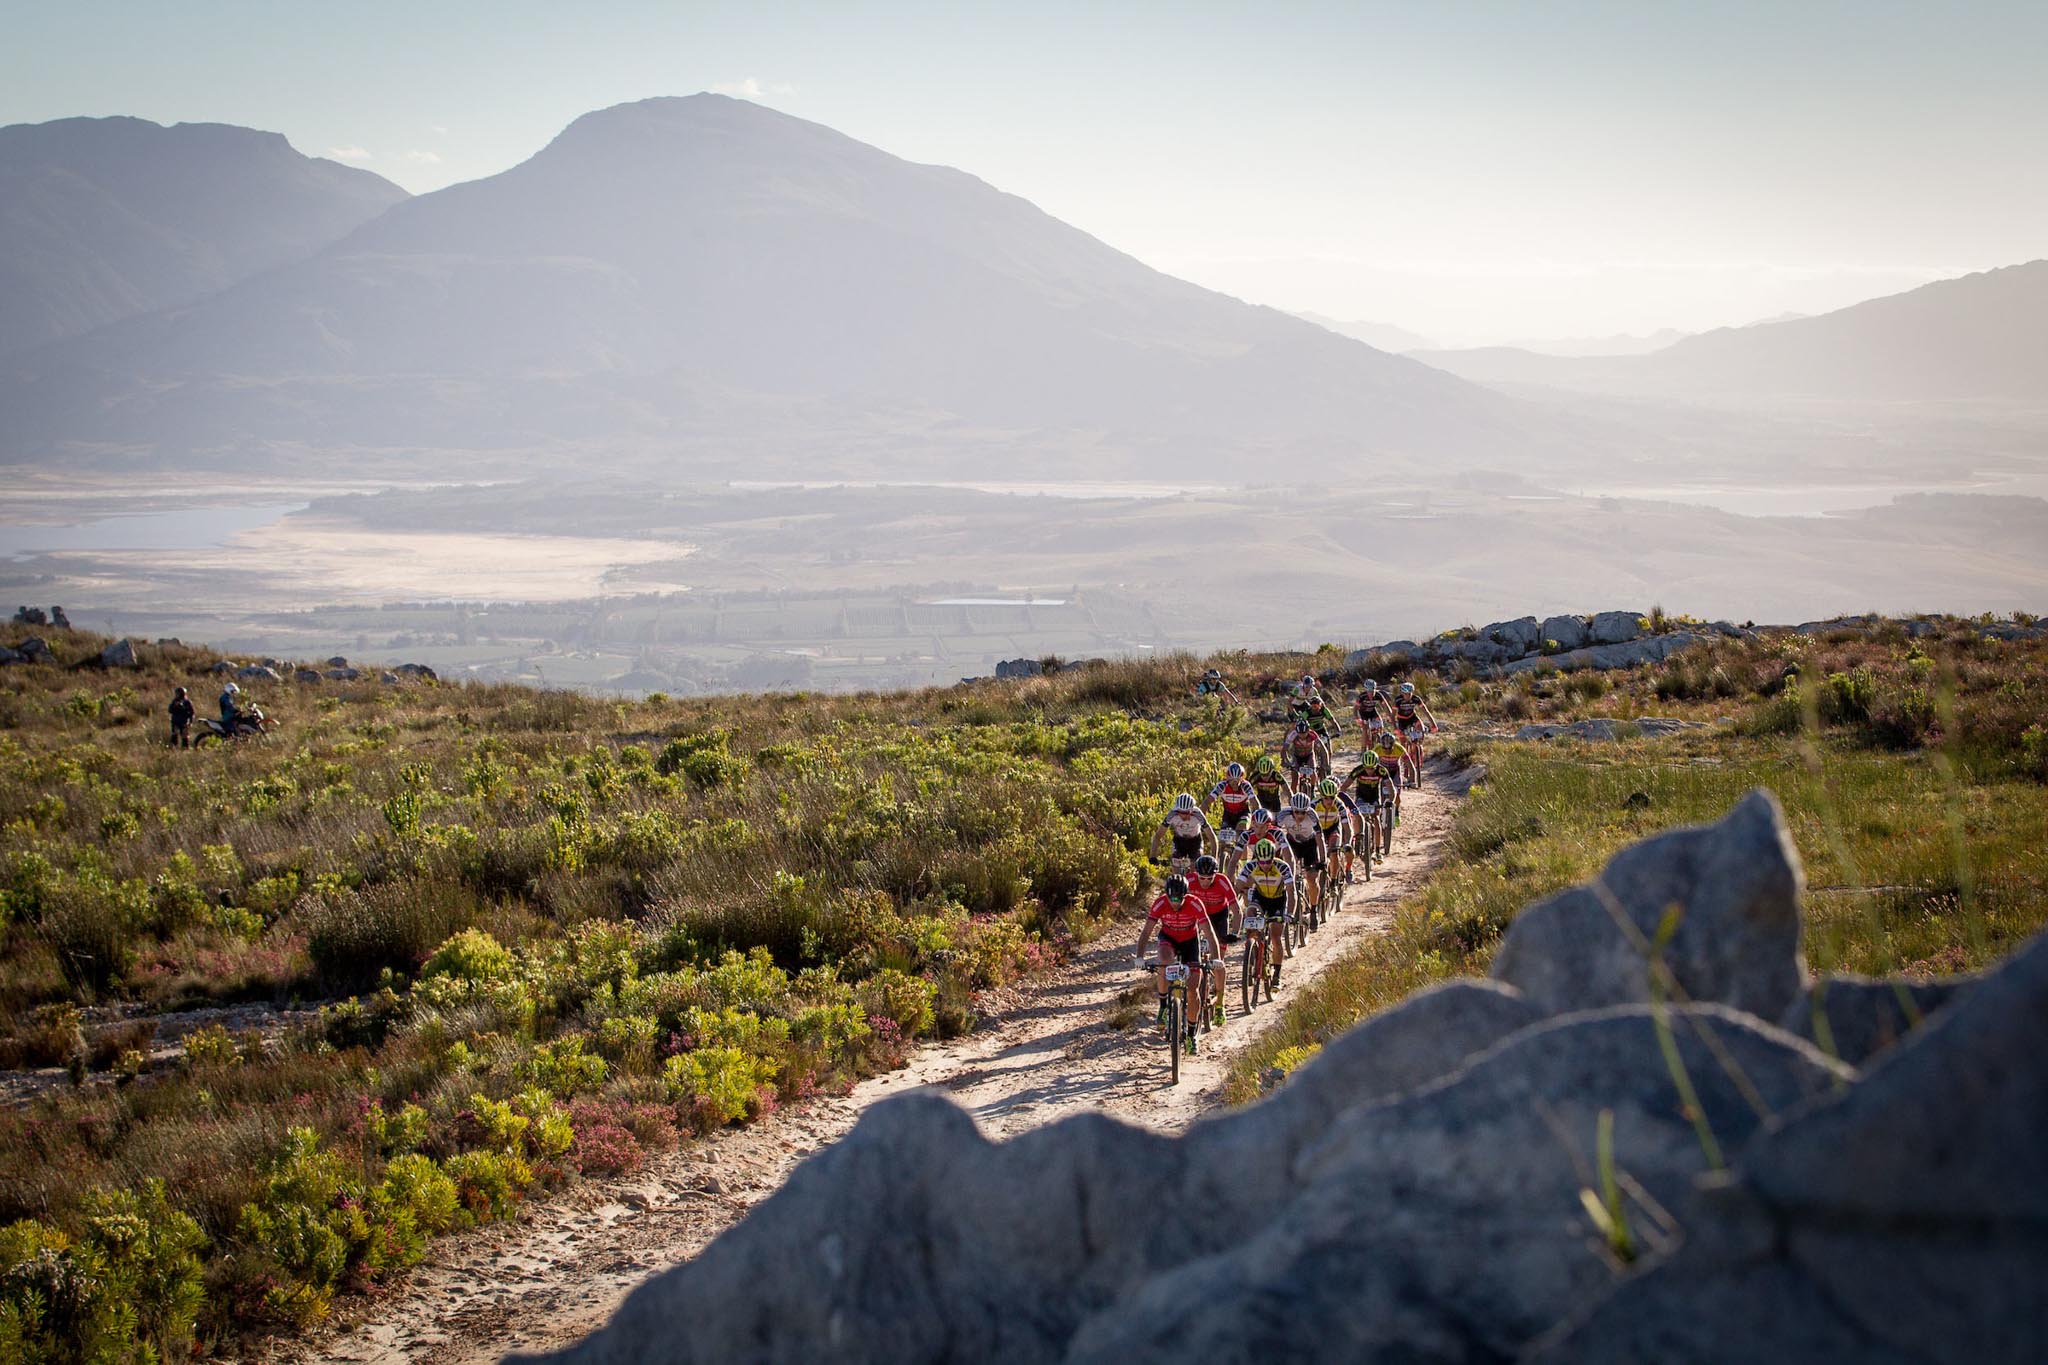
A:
489,1184
471,955
128,1289
564,1069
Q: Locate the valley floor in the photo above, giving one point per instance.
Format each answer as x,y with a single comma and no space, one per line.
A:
1052,1051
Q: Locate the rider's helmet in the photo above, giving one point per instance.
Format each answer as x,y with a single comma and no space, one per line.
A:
1308,682
1205,866
1176,888
1235,772
1266,763
1315,701
1264,851
1298,801
1371,686
1261,817
1327,787
1406,688
232,687
180,692
1183,803
1213,674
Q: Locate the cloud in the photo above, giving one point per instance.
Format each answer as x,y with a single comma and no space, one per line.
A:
423,158
438,128
350,153
752,89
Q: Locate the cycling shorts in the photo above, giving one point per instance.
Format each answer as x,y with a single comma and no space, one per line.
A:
1411,730
1236,821
1188,950
1271,799
1308,853
1272,907
1219,920
1187,846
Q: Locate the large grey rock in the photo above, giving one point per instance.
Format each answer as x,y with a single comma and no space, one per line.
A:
306,675
12,656
343,674
1018,668
120,654
1517,637
259,673
1446,1223
1865,1015
418,671
1736,884
1567,632
1480,651
36,650
1649,649
1903,1219
1614,627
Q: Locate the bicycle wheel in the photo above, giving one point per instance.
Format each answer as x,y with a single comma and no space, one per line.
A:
1176,1025
1247,976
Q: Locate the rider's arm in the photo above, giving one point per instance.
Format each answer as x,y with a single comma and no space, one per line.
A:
1211,840
1145,936
1157,834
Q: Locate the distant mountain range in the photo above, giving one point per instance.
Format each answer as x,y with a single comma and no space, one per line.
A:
1380,335
1981,337
704,278
105,218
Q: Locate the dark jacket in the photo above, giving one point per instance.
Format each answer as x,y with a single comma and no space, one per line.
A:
181,711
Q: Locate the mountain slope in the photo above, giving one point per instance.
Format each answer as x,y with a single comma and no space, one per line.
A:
1977,337
688,267
102,219
1382,336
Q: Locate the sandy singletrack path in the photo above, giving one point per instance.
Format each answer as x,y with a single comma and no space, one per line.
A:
553,1277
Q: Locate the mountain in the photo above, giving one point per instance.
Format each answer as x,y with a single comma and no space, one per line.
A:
704,276
1382,336
105,218
1981,337
1620,344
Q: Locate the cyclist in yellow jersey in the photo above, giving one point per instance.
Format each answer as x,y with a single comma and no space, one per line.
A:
1333,814
1391,752
1267,883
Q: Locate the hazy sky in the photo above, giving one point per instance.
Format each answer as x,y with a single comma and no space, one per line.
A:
1473,171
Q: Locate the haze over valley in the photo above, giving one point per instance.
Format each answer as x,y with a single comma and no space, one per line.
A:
701,395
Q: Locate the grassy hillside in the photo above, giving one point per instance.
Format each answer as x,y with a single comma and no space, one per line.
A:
1911,770
457,944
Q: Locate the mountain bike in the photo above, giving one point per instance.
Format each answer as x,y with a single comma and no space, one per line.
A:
1179,1030
1253,977
1411,762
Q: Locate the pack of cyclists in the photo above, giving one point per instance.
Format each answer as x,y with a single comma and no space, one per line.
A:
1280,831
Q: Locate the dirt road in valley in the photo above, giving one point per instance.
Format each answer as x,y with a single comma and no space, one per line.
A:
1051,1052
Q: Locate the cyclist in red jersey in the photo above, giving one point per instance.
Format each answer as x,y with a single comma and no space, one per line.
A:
1182,922
1214,890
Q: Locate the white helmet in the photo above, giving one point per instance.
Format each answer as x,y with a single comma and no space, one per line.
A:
1235,772
1184,802
234,687
1407,687
1371,685
1299,801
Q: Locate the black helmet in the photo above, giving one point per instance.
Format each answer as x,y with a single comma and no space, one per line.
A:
1176,888
1205,866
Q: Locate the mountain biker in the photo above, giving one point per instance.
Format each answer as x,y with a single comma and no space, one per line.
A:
1220,899
1307,755
1182,922
1211,684
1373,711
1305,838
1267,882
1268,784
1234,798
1371,788
1410,710
1192,833
1334,813
1317,716
1388,749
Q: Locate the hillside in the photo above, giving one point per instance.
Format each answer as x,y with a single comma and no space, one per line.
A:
703,276
1978,337
106,218
432,951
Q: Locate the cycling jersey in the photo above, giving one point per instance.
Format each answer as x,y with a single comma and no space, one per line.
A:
1178,922
1268,881
1299,826
1216,897
1368,780
1301,742
1329,812
1391,753
1236,798
1405,709
1270,788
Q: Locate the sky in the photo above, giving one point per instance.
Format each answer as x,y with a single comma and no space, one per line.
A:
1477,171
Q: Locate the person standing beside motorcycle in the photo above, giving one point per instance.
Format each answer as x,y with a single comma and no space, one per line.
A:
181,720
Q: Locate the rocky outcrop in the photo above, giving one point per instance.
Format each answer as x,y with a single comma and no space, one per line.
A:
259,673
1857,1017
417,672
1614,627
1735,888
1565,632
120,654
1648,649
1515,638
1418,1191
36,650
1018,668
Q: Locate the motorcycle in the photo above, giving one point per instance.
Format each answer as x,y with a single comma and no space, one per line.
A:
250,724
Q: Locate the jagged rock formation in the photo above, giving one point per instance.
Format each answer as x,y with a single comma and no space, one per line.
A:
1417,1191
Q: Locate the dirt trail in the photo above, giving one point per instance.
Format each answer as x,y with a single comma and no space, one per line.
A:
549,1280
